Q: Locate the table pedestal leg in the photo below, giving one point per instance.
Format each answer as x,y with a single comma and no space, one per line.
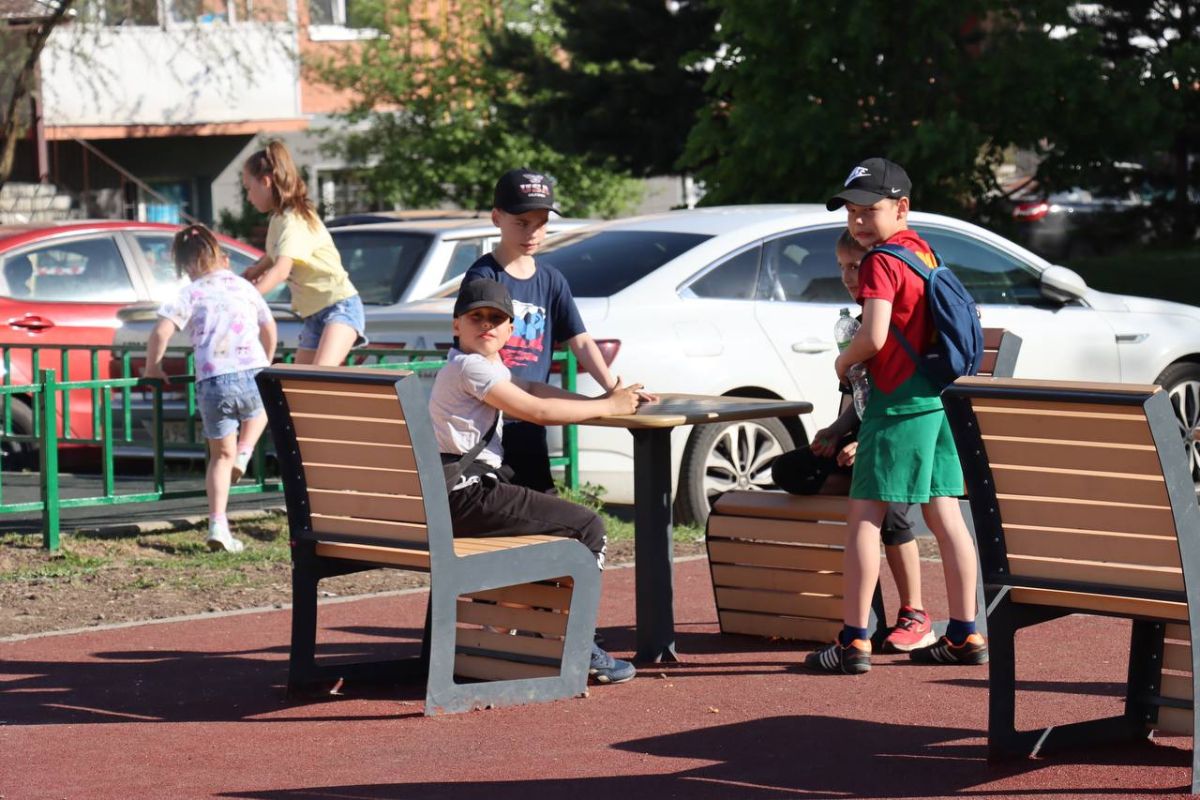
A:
653,545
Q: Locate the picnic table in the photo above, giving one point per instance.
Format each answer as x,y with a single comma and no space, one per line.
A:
651,427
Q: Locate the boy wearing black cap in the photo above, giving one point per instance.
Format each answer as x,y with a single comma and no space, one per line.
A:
468,396
545,311
905,451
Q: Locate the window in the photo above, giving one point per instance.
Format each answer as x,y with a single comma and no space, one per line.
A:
602,263
466,252
122,12
381,264
734,279
156,251
89,271
331,15
802,268
990,275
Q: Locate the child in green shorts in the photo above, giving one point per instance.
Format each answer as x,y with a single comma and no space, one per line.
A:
905,451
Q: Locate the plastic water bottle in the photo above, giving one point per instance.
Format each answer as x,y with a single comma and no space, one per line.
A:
843,331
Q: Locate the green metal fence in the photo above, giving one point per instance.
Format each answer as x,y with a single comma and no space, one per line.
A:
140,421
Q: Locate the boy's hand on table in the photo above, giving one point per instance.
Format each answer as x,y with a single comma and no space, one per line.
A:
624,399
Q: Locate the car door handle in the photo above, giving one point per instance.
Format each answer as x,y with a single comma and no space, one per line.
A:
811,346
32,323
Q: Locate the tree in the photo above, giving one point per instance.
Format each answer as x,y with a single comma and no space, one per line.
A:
425,116
24,61
802,91
608,77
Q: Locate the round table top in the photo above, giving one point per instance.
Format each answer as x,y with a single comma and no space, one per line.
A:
672,410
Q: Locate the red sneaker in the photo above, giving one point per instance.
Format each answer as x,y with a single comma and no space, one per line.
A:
913,631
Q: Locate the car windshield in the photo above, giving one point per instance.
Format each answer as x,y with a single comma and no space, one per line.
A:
602,263
381,263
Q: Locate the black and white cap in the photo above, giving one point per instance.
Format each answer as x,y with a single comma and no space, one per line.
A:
870,182
521,190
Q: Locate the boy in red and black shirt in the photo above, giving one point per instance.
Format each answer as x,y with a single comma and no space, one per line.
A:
905,451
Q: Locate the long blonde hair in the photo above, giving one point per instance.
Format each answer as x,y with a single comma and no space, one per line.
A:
196,251
287,187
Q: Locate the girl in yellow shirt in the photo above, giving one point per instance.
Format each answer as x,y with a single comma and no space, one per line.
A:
301,251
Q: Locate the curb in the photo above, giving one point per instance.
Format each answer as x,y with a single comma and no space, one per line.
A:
175,523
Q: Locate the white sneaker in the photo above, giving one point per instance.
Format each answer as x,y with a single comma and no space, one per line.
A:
239,465
219,538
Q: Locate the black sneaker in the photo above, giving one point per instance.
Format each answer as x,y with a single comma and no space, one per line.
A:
606,669
973,650
853,659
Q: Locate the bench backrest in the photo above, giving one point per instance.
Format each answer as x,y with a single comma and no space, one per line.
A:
1000,350
1078,487
358,457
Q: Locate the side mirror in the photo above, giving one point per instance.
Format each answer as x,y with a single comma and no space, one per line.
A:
1062,284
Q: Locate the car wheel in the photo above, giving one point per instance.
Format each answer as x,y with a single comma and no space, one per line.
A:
1182,383
718,458
16,455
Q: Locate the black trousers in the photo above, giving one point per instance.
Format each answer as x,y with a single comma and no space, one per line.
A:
492,508
803,472
526,451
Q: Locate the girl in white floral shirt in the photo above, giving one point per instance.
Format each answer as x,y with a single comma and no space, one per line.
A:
233,335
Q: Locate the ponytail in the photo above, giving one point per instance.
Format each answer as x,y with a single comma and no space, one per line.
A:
287,187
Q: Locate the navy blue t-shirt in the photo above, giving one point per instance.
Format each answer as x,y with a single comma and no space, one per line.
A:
545,314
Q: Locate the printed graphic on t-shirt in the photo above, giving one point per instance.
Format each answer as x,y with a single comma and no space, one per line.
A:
528,339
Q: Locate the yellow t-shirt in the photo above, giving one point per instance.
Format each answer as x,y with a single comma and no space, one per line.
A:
318,279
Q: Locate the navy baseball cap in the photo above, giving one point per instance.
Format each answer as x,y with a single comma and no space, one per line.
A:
521,190
483,293
872,181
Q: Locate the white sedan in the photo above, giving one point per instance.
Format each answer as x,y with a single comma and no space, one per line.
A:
742,301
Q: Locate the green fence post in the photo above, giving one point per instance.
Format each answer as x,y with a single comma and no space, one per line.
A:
48,481
571,432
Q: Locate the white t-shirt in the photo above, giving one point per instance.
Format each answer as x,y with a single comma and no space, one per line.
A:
221,313
460,415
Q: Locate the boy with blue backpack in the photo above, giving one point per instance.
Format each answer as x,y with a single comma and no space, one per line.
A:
919,330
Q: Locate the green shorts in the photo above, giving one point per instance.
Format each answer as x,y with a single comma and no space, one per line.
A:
905,458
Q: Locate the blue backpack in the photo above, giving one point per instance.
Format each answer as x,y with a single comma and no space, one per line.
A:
958,349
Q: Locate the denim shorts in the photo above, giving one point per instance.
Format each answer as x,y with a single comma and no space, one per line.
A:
226,400
348,312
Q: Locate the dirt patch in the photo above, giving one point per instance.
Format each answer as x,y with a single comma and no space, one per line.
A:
99,580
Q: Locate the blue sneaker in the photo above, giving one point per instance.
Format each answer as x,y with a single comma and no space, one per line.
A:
606,669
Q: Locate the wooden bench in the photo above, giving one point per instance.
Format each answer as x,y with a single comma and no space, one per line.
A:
1083,503
365,489
776,558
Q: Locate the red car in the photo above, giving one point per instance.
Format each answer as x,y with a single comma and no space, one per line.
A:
63,284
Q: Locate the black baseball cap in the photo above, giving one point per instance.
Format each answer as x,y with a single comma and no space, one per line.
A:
521,190
872,181
483,293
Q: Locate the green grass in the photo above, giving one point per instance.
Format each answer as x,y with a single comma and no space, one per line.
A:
62,565
1165,274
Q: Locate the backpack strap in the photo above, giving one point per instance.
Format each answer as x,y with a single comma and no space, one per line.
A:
454,468
921,268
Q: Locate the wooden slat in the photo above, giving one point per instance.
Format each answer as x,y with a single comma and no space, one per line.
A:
780,505
1086,515
1174,720
347,404
334,453
1059,408
775,555
1157,551
1117,575
784,580
348,430
1116,487
400,532
363,479
503,643
1176,687
1177,656
1099,456
364,505
992,337
988,364
530,594
775,530
805,630
1104,604
521,619
337,387
470,545
495,669
786,603
392,556
1061,426
1124,390
1179,633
